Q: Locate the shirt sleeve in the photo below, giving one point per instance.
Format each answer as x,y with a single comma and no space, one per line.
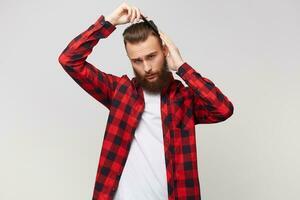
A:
210,105
97,83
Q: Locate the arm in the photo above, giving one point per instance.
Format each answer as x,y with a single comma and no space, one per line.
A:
97,83
210,104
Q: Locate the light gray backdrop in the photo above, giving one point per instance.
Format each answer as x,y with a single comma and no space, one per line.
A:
51,130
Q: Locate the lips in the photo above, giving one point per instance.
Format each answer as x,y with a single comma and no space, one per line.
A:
150,76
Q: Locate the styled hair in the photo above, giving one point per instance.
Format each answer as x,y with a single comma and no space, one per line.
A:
139,32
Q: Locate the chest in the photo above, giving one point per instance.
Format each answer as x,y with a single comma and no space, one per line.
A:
172,109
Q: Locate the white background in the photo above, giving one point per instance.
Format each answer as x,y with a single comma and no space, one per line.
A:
51,130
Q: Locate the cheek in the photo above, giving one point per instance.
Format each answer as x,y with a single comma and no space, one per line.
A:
159,60
138,70
136,67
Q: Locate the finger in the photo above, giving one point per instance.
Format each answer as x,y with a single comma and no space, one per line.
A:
162,36
139,15
167,42
136,15
163,40
132,15
167,39
128,10
160,33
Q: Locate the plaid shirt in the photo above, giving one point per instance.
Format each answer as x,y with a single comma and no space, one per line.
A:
182,107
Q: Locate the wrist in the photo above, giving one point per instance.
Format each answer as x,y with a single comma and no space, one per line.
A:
110,20
179,65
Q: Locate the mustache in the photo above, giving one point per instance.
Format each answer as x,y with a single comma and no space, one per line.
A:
162,71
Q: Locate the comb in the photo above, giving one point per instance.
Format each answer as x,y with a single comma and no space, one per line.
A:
150,23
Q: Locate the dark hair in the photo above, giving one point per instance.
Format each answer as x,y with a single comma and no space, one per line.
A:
139,32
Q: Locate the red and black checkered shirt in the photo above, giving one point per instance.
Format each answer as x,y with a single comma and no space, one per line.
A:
182,107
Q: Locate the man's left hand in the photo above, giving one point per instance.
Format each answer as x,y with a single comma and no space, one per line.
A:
174,59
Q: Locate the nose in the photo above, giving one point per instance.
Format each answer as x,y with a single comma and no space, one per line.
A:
147,67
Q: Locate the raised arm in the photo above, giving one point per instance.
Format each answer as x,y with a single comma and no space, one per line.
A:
97,83
210,105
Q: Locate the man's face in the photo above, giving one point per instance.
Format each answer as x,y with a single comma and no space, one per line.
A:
149,63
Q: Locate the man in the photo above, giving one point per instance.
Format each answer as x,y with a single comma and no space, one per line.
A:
149,145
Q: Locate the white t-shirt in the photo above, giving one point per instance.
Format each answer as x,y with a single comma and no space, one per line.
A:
144,174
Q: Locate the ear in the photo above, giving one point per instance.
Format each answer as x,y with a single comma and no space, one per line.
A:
165,50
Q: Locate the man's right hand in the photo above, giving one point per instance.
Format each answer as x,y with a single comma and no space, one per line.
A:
124,14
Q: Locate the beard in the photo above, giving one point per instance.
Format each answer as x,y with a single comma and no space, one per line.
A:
162,79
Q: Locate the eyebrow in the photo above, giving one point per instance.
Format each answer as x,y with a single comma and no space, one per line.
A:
154,52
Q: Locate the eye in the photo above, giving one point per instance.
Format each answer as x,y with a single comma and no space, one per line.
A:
136,61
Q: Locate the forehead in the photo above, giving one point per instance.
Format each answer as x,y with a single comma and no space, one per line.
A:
141,49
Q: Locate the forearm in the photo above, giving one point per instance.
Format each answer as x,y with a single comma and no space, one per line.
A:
207,96
111,20
77,51
96,82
